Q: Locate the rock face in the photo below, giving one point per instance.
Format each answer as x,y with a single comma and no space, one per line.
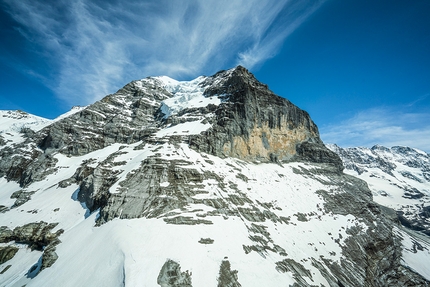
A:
166,175
255,124
7,253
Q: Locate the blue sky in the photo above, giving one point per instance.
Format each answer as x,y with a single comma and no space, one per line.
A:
361,68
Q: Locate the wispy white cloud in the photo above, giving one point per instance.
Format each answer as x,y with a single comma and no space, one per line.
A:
384,126
267,42
94,47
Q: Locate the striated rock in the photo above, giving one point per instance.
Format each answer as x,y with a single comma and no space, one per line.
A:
7,253
140,194
125,117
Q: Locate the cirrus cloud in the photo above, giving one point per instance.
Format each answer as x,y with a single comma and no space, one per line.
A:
94,47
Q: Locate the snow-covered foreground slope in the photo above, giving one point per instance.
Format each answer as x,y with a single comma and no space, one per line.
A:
275,214
212,182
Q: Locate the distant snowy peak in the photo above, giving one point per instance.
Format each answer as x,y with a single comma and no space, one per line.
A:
74,110
386,159
14,123
399,178
14,120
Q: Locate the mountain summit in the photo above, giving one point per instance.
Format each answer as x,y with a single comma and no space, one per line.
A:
211,182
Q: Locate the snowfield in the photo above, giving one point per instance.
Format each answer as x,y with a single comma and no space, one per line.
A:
133,251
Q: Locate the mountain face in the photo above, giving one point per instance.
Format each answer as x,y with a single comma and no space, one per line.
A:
211,182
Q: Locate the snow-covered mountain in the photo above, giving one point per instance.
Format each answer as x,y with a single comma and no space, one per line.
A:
16,126
210,182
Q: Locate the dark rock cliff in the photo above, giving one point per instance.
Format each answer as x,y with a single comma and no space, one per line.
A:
255,124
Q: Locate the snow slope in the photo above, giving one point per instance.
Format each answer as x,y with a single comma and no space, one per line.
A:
13,123
137,248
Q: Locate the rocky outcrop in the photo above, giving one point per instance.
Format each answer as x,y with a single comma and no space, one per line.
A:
7,253
157,187
21,197
171,276
227,277
36,235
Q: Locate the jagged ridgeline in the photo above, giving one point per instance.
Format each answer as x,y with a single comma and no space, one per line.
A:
211,182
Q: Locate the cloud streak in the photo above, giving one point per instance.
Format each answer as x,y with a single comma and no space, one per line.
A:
95,47
384,126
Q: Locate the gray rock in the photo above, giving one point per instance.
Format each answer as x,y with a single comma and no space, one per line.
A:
206,241
21,197
6,234
36,234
